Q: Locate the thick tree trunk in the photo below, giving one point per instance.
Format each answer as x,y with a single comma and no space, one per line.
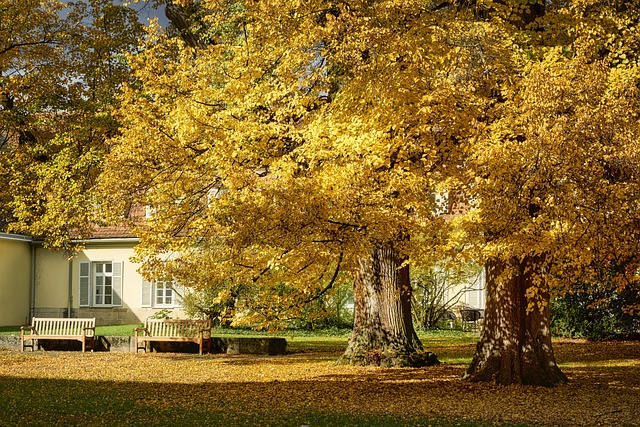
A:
515,345
184,19
383,333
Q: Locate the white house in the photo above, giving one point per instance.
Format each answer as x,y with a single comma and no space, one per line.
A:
99,281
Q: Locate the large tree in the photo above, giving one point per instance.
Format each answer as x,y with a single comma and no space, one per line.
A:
568,209
303,141
291,142
60,70
556,185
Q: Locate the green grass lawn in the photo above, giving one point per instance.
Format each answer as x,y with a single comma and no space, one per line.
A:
449,344
8,330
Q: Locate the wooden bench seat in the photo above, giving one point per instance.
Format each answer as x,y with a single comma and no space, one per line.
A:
83,330
176,330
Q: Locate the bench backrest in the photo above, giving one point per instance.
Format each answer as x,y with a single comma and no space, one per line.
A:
62,327
176,327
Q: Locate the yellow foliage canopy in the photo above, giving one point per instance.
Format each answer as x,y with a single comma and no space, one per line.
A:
60,68
305,133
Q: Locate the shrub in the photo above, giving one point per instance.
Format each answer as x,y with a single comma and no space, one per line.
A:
216,304
597,316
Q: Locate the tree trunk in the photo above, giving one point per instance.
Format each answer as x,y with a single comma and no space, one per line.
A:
184,19
383,333
515,346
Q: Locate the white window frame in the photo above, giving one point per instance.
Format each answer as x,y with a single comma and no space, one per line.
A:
163,291
102,275
149,294
93,276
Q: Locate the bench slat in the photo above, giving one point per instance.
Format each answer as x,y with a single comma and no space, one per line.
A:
72,327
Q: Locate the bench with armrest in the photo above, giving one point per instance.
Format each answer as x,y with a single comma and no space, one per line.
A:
471,317
83,330
175,330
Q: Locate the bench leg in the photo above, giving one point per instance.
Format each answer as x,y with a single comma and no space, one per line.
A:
25,345
138,346
205,345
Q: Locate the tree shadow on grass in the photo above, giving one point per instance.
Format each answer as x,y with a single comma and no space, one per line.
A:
389,397
56,402
568,351
604,389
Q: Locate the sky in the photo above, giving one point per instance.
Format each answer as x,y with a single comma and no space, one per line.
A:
146,11
145,8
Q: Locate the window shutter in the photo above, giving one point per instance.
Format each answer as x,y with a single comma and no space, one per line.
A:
472,297
146,293
178,293
85,284
117,283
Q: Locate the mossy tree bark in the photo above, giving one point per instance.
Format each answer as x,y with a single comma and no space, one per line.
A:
515,345
383,332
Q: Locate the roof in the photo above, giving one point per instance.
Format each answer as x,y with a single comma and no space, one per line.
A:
121,230
112,231
19,237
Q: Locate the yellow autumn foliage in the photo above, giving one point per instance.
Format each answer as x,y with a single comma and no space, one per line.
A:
60,69
307,132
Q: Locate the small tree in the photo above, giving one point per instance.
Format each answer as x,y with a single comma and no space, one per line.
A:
437,289
328,311
218,305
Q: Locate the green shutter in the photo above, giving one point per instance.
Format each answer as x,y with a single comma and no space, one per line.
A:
85,284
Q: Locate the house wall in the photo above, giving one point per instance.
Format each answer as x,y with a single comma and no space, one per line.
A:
470,305
470,295
52,285
15,280
131,281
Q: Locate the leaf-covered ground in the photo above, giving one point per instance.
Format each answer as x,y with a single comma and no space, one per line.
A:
68,388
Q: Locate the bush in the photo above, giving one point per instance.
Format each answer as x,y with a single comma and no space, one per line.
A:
217,304
597,316
334,310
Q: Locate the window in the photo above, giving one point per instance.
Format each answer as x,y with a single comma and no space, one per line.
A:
162,294
100,284
103,273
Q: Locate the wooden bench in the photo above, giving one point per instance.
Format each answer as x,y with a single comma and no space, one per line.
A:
83,330
471,317
176,330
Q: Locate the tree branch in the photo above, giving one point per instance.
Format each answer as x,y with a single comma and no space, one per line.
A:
331,282
26,44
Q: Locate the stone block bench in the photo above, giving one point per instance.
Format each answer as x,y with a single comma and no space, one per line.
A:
251,345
